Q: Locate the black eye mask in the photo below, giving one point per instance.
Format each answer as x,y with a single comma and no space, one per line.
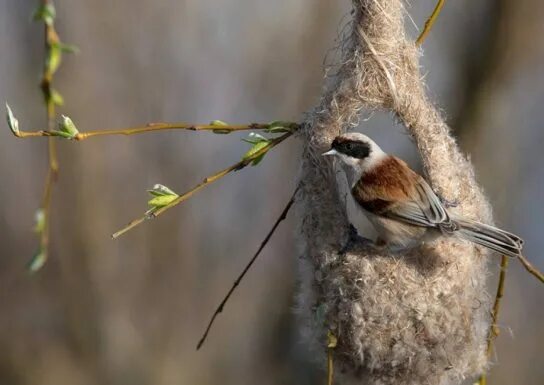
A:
352,148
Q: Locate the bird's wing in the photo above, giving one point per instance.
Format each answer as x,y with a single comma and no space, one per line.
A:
429,203
395,191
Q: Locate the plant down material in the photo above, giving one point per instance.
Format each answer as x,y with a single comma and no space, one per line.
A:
417,318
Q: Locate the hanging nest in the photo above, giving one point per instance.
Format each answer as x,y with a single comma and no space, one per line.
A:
419,317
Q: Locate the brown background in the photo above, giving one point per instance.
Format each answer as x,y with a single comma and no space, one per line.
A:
131,311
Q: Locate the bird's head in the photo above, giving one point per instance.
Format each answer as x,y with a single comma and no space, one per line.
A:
356,151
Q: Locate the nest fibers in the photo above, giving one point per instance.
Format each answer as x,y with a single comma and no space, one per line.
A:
416,318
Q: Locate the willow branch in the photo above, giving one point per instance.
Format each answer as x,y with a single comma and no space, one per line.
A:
330,366
430,22
530,268
152,127
205,182
46,85
332,341
494,328
221,306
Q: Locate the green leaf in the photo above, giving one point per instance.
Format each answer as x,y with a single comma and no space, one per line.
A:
45,13
39,219
13,123
218,123
61,134
160,190
162,196
37,261
258,142
68,48
54,58
161,201
57,98
279,126
67,128
258,160
254,138
253,150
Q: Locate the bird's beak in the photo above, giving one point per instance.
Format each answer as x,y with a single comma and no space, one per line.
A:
330,152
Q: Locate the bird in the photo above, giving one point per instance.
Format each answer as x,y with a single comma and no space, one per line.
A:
402,206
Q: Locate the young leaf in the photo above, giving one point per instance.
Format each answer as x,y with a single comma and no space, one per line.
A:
45,13
258,160
253,150
258,142
62,134
54,58
254,138
37,261
160,201
57,98
67,128
160,190
162,196
279,126
218,123
39,219
68,48
13,123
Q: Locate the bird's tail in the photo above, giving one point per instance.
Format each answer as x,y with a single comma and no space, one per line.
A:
491,237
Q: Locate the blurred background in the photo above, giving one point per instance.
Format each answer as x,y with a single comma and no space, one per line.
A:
131,311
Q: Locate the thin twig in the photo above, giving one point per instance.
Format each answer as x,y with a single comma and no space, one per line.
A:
208,180
151,127
430,22
530,268
330,366
172,126
219,309
46,85
332,341
494,328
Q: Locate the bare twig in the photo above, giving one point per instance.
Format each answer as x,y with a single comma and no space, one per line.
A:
430,22
208,180
331,345
219,309
330,367
530,268
494,328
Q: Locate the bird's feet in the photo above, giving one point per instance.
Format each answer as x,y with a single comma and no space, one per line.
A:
353,236
380,244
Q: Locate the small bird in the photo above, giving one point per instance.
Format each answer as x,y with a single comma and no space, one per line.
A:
402,206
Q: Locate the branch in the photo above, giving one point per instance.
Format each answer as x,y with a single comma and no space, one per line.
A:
219,309
493,328
216,126
332,341
530,268
53,54
430,22
247,160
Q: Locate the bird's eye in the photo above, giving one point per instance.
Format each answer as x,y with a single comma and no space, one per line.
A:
349,146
